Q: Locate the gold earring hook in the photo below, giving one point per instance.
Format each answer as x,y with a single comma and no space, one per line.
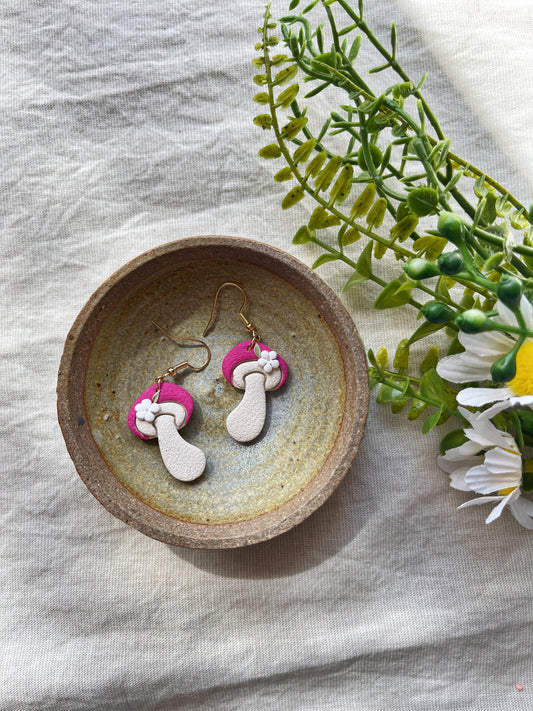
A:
174,370
247,323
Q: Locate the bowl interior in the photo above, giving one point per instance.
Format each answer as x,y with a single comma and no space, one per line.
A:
122,352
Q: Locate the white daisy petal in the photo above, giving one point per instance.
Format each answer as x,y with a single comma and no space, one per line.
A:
505,465
492,344
464,451
148,416
459,370
155,407
274,363
522,510
506,316
477,397
265,354
267,368
527,312
493,476
457,479
273,355
262,362
481,480
479,501
523,401
497,510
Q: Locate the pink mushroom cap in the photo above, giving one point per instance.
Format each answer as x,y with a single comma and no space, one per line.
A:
240,354
169,393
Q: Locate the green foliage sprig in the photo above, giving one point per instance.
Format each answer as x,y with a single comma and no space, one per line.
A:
377,169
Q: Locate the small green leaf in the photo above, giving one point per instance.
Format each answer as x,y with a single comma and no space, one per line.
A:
278,59
271,151
285,75
323,259
321,218
316,164
376,213
287,96
426,329
401,357
430,246
283,175
340,191
432,421
432,386
404,228
302,153
364,263
303,236
295,195
416,409
261,98
355,278
260,79
292,129
391,297
350,236
258,62
264,121
326,175
364,202
293,4
257,350
480,187
354,49
423,201
430,360
382,357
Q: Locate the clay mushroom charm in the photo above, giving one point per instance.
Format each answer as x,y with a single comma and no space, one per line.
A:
254,370
162,419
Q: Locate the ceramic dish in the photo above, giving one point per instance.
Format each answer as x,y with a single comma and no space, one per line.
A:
249,492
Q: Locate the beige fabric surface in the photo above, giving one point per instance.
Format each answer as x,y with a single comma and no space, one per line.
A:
129,124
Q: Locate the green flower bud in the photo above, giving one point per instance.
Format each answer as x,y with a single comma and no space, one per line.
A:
437,312
451,263
509,291
472,321
504,369
450,226
419,268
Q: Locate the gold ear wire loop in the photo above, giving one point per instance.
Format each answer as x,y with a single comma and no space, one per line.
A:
249,326
174,370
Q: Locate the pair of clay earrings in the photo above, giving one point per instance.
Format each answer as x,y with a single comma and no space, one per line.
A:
165,408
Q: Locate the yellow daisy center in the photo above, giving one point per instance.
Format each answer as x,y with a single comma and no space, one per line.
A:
522,383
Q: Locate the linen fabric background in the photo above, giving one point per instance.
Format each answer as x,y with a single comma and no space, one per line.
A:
125,125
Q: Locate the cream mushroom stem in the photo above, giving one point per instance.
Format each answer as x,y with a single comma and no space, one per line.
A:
247,420
182,459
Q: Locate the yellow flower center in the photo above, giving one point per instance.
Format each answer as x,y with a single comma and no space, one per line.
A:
522,383
504,492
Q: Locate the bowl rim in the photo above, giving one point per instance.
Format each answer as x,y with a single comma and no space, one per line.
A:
98,476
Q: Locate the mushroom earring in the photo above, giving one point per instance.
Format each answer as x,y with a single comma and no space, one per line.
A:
253,367
161,411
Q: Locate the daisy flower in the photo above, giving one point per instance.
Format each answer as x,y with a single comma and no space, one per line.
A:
481,351
488,463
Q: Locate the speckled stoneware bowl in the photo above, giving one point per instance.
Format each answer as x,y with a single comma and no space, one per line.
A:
315,422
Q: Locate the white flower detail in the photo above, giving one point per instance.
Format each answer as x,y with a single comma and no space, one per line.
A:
268,361
488,463
481,351
147,410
